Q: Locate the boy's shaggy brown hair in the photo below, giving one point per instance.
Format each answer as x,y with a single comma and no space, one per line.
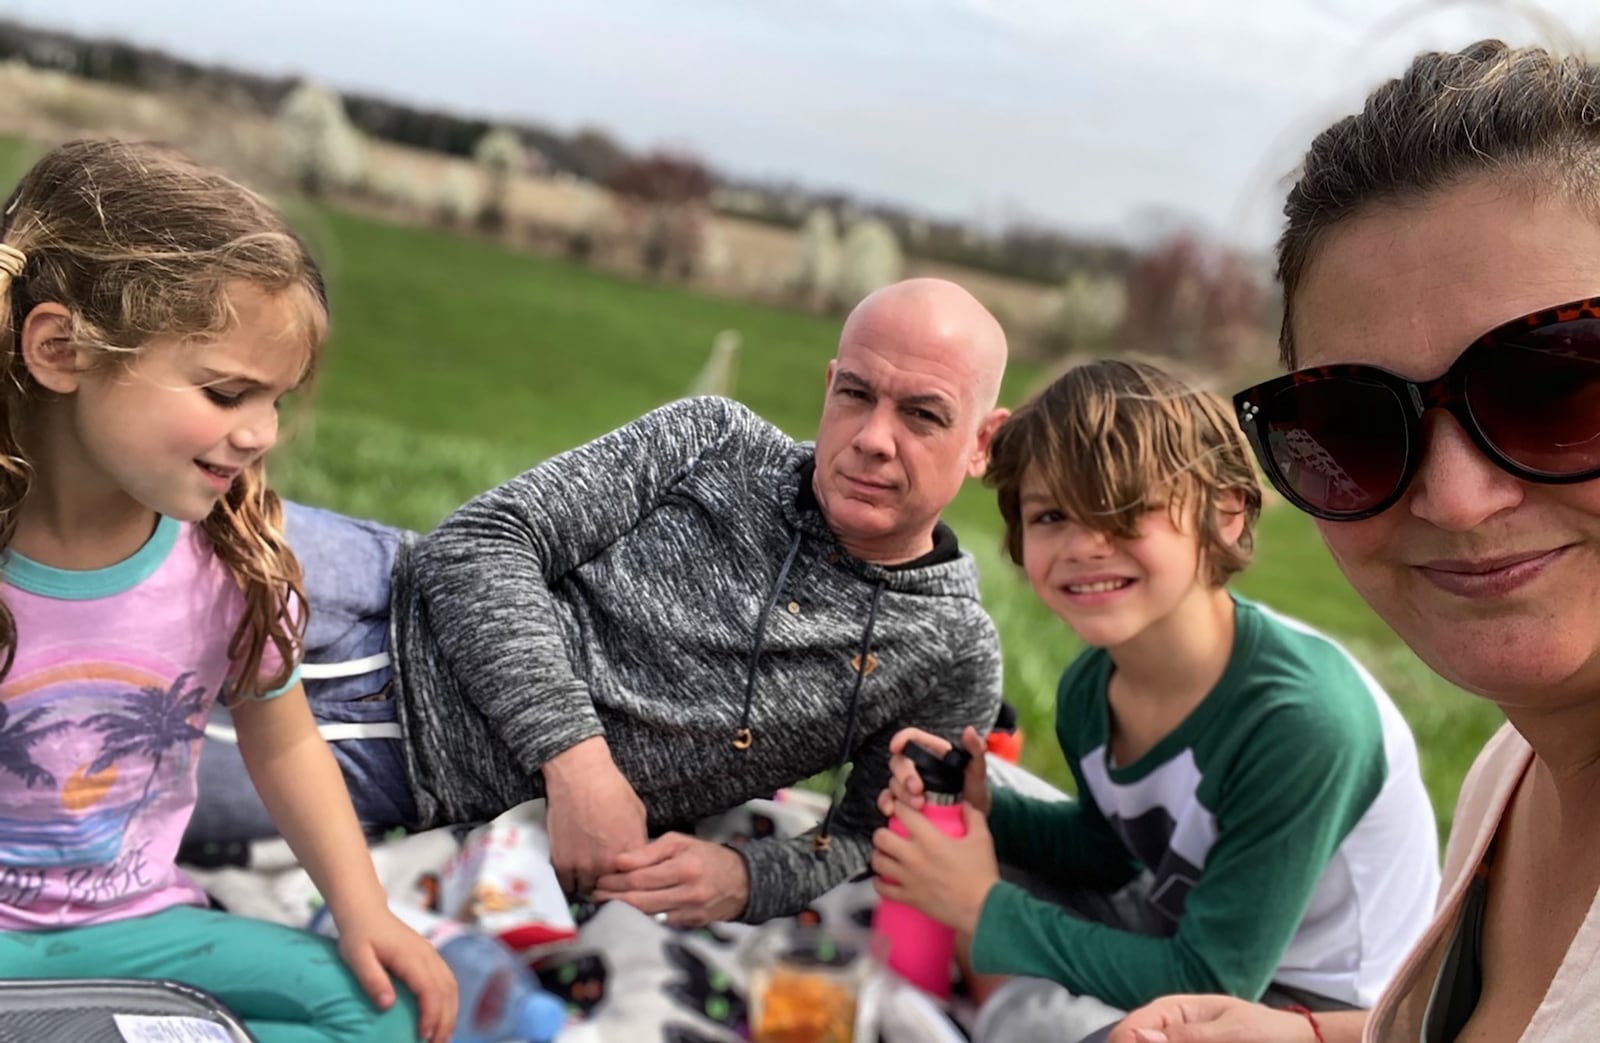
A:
1115,437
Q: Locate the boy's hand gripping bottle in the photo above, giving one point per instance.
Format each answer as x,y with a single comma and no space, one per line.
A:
916,946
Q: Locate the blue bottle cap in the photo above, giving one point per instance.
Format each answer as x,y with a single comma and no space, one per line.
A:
541,1018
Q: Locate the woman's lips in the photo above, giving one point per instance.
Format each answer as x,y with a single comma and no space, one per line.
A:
1489,577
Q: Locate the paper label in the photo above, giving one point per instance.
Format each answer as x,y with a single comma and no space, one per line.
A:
143,1028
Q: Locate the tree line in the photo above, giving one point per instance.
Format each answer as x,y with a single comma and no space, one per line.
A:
1027,251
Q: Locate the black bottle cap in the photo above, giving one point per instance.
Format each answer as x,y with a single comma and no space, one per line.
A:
947,774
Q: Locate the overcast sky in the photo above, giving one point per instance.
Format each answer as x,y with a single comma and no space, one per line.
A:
1089,114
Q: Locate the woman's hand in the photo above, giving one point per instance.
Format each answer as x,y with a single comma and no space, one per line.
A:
1211,1019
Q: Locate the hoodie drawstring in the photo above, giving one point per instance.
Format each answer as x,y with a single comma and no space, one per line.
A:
743,737
823,840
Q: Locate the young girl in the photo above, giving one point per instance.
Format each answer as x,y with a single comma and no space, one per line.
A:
153,314
1250,817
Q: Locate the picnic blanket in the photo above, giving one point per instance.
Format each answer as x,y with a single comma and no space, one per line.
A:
624,976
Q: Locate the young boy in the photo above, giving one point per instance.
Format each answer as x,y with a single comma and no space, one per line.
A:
1250,817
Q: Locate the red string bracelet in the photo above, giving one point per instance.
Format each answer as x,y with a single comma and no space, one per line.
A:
1316,1030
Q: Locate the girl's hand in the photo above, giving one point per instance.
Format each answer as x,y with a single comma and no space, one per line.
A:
905,785
946,877
304,791
380,943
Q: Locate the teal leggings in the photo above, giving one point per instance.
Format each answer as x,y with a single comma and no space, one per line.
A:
288,986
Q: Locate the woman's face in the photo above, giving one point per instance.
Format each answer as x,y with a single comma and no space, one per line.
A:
1493,581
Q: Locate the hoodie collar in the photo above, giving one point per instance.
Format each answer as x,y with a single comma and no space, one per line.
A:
945,570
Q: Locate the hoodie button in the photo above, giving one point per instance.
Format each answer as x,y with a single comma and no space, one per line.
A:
794,608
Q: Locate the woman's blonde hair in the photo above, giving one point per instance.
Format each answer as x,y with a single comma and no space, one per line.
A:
140,242
1523,114
1113,438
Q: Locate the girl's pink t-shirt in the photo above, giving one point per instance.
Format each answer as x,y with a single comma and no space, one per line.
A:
101,719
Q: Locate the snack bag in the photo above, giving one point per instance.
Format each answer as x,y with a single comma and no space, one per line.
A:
502,881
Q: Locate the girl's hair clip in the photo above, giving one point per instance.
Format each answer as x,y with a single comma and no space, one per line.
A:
12,260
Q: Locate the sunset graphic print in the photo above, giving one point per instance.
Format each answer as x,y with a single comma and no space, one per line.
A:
97,758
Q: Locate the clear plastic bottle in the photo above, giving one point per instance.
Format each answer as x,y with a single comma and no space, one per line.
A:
914,945
500,1000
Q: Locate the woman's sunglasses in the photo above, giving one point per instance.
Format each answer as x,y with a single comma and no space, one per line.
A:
1342,442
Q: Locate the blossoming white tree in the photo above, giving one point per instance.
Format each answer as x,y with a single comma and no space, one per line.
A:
460,197
501,156
322,149
1084,314
871,259
816,276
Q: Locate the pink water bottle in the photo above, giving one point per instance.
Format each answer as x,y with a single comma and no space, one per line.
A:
915,945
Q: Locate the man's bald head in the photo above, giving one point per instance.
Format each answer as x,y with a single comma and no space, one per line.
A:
943,316
909,414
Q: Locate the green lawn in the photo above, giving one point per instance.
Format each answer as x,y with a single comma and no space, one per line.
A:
455,364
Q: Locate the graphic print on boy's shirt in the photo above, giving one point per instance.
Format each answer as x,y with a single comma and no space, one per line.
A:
1161,821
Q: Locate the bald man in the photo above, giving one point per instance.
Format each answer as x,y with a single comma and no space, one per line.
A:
696,610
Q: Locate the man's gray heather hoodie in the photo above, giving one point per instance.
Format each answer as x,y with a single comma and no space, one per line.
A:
666,585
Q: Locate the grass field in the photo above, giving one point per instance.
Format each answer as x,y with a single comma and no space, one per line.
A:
455,364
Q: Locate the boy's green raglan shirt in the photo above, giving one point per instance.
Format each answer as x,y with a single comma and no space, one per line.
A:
1268,802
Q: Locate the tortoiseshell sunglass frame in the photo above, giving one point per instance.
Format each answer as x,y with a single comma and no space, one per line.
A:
1414,399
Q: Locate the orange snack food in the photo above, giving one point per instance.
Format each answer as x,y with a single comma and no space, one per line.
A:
800,1006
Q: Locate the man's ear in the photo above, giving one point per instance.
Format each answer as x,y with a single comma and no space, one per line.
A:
979,462
47,348
827,380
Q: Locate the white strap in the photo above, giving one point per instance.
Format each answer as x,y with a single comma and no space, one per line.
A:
339,732
342,732
348,668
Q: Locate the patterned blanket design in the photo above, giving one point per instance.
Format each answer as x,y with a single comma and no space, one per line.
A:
624,976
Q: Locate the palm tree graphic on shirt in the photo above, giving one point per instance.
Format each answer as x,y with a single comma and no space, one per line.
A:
153,720
17,736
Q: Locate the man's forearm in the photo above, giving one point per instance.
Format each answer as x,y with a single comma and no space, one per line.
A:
573,764
787,875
